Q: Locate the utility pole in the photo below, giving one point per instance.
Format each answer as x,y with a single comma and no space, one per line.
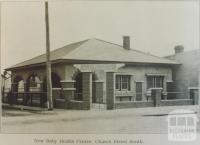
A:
48,61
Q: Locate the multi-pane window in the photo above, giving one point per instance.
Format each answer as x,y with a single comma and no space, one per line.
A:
122,82
155,81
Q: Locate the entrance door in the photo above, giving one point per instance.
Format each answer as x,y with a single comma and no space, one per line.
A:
138,91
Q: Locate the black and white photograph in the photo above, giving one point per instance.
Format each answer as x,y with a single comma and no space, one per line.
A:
110,67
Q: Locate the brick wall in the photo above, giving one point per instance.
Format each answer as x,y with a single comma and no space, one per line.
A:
122,105
77,105
177,102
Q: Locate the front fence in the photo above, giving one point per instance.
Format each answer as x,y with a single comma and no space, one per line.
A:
27,98
122,100
150,100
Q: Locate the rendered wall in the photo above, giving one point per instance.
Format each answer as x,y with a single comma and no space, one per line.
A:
187,74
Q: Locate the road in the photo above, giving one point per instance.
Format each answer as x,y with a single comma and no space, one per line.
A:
132,121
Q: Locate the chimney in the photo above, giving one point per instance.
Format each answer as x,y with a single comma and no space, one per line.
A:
126,42
178,49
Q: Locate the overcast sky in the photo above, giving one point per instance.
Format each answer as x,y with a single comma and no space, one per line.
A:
154,26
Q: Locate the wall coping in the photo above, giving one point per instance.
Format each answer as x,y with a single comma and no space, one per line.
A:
99,81
56,88
86,71
69,89
76,101
139,81
124,102
171,100
67,81
193,88
156,89
65,89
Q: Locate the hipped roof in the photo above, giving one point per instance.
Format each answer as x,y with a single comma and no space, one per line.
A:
96,50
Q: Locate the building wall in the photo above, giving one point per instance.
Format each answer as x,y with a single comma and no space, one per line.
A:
140,75
187,74
68,71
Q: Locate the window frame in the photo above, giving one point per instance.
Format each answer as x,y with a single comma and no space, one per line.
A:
123,79
154,83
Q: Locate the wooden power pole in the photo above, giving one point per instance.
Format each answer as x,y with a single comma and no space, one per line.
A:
48,61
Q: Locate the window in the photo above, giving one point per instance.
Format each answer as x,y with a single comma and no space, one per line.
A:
155,82
122,82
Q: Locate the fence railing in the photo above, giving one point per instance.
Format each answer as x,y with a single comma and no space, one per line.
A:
177,95
33,98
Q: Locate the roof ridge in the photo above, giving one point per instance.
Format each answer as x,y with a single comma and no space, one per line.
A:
70,44
81,43
133,49
108,42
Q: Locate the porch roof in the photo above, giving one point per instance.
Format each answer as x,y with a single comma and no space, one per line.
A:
98,51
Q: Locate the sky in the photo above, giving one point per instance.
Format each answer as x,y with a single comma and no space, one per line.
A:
154,26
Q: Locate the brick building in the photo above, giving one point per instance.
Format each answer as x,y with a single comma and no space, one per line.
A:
96,71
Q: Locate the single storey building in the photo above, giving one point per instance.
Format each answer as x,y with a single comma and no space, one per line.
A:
95,71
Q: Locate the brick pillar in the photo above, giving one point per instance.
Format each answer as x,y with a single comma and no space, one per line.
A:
87,90
110,90
164,93
68,89
156,94
25,95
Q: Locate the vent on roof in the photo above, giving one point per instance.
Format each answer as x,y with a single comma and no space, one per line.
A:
126,42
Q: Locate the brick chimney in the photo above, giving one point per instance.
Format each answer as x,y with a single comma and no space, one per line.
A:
179,49
126,42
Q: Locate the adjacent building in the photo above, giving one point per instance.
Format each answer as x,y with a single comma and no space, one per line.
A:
186,76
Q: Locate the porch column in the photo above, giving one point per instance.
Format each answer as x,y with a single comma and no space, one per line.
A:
110,90
156,94
42,95
25,100
87,90
12,98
